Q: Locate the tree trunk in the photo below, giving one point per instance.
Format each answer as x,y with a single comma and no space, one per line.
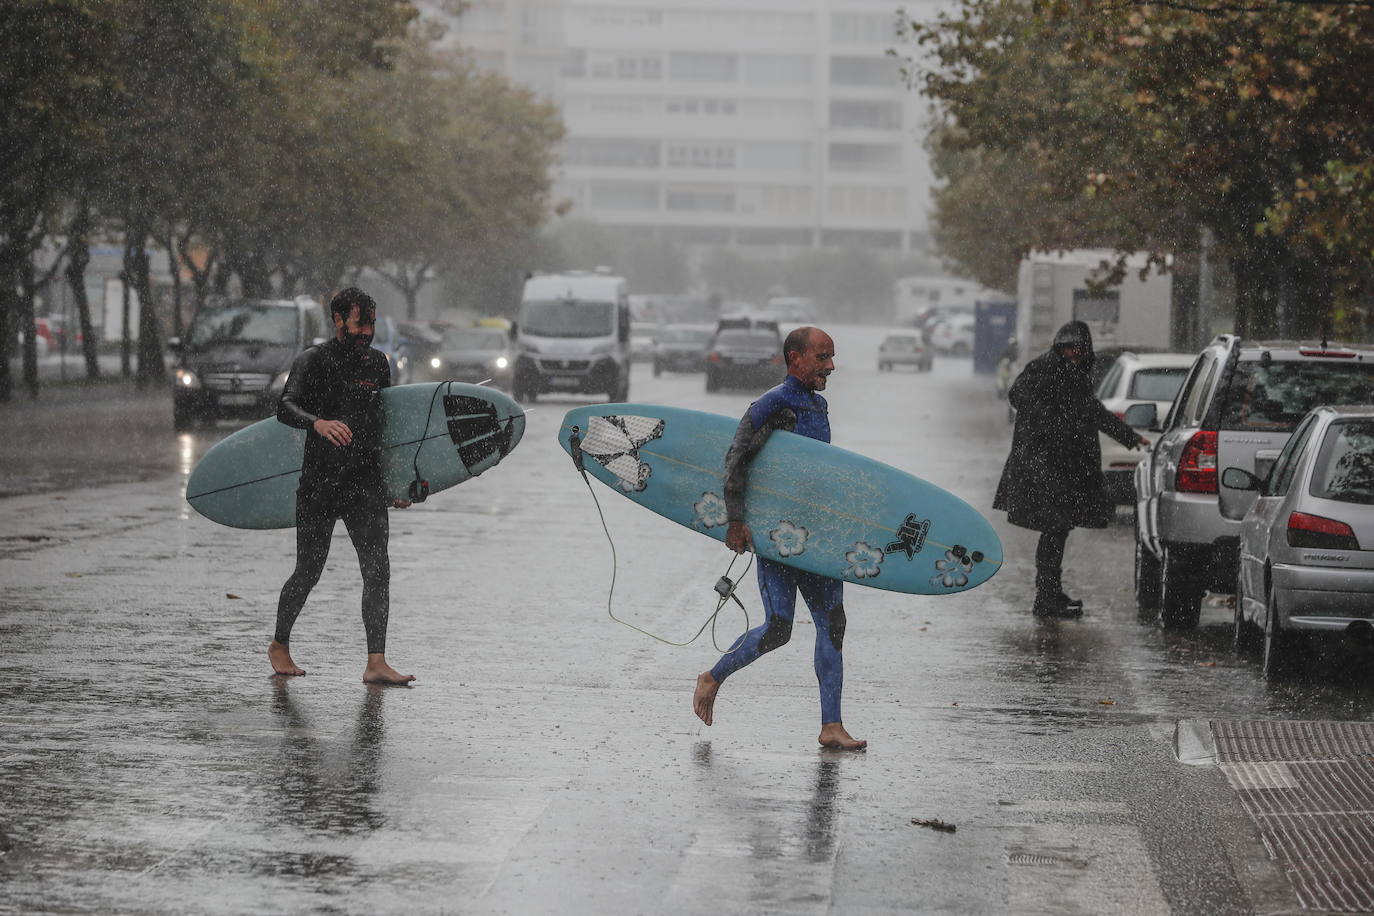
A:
200,277
126,360
151,368
173,265
78,257
29,327
8,307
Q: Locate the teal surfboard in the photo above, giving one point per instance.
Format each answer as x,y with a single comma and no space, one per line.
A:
443,433
808,504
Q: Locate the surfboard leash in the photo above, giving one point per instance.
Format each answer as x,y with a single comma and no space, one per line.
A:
725,586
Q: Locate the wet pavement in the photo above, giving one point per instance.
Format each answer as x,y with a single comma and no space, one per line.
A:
547,760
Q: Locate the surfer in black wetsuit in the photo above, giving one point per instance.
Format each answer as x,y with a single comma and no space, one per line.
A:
797,406
334,392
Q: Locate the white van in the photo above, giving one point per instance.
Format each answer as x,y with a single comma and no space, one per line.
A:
572,334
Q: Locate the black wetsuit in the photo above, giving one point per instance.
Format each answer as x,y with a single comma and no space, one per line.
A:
337,381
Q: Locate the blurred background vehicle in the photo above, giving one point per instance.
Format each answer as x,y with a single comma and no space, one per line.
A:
1136,378
953,335
745,357
471,354
237,354
643,334
1306,563
906,348
681,348
572,336
388,338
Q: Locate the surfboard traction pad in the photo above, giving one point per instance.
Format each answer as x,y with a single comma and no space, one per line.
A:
476,430
615,440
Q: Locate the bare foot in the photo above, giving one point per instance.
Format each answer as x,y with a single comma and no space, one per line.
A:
705,697
379,672
280,657
834,735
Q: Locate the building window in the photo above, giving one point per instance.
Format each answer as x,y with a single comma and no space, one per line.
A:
866,200
606,152
789,69
613,105
574,64
775,155
777,109
703,67
701,106
621,16
865,115
614,66
869,28
701,155
623,195
700,200
865,157
776,200
864,71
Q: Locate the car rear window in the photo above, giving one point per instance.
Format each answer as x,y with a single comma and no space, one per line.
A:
1276,396
1157,384
753,339
1345,465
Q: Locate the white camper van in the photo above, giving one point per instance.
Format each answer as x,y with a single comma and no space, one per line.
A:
572,334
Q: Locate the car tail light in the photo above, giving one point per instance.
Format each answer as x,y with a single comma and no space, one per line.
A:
1197,466
713,356
1330,354
1119,414
776,360
1324,533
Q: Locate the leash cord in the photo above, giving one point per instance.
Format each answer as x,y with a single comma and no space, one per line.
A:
728,594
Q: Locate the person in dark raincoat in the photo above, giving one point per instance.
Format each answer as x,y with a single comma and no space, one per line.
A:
1052,481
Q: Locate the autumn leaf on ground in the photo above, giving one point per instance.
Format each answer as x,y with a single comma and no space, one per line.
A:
232,595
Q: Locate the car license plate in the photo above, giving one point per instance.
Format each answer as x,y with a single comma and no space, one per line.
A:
236,400
565,381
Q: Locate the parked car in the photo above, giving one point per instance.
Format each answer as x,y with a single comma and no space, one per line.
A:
954,335
237,354
1135,378
471,354
681,348
1307,543
1237,408
745,357
905,349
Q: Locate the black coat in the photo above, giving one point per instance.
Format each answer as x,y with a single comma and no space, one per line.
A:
1053,477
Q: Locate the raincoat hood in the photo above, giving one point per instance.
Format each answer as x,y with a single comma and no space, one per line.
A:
1075,334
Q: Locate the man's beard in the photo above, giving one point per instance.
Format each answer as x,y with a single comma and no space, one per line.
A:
359,341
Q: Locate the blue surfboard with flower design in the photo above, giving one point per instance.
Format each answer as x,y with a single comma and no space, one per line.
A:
808,504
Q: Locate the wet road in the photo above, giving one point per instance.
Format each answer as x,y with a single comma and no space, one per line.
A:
547,760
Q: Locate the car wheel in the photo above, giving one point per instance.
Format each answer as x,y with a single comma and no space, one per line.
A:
1146,580
658,368
1281,649
1244,638
1180,594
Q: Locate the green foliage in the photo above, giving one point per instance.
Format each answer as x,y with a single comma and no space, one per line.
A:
1134,126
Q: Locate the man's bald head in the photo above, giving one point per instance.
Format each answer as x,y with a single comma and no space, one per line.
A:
810,356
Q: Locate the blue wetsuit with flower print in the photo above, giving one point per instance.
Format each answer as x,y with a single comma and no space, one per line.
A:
793,407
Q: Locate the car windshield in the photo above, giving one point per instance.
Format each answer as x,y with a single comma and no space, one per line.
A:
245,323
1345,466
474,339
567,318
685,335
753,340
1276,396
1157,384
899,343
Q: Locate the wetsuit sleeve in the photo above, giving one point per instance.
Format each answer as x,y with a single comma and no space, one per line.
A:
291,407
746,444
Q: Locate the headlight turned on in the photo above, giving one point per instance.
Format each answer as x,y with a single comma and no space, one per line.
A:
187,379
502,362
436,363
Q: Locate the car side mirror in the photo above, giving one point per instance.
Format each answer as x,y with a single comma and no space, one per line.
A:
174,344
1239,479
1142,416
514,329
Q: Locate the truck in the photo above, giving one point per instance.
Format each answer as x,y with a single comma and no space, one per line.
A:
1053,288
572,335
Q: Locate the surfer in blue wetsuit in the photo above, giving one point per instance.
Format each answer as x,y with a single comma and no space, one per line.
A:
334,392
796,406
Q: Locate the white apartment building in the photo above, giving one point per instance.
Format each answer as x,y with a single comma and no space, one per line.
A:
780,123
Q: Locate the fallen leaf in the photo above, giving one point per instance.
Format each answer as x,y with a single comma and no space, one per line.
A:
934,823
1106,702
921,630
231,595
75,575
954,704
1211,664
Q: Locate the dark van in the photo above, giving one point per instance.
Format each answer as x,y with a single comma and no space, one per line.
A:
234,360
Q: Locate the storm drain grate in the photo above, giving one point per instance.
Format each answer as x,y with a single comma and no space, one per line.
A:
1309,786
1040,858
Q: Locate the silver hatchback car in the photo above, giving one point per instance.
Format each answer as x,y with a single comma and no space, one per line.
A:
1307,542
